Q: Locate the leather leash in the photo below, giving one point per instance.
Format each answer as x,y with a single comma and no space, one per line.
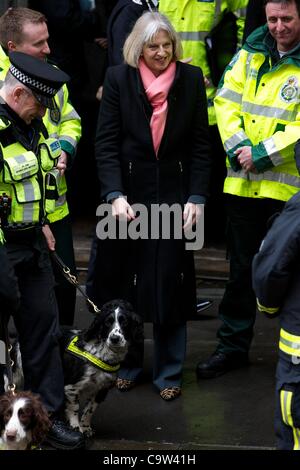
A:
72,279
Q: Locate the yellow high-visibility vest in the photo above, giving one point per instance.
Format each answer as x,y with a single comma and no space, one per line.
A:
258,104
23,179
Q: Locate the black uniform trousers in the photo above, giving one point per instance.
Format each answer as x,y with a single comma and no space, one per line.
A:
247,225
64,291
37,318
9,303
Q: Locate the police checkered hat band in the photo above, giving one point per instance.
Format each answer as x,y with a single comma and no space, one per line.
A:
32,83
43,79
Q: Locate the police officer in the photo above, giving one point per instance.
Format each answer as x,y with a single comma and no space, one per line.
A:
276,282
25,30
257,111
28,157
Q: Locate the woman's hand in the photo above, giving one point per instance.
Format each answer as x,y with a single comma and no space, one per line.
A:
121,209
191,215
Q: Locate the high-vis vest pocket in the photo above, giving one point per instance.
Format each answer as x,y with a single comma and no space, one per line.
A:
50,150
20,167
27,191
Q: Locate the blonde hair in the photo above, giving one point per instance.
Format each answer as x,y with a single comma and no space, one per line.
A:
143,32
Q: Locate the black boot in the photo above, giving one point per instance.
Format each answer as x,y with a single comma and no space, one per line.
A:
219,363
62,436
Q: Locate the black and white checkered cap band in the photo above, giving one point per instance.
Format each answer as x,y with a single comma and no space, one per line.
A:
31,82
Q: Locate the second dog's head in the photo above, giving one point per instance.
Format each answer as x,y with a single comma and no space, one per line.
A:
117,324
23,420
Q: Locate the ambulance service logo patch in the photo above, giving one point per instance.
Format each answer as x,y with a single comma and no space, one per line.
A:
289,90
55,115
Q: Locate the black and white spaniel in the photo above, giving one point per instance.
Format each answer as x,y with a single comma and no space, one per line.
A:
93,357
24,421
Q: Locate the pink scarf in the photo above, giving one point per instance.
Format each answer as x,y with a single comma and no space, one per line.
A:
157,89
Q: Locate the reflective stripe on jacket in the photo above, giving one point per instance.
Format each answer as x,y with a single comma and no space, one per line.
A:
193,20
258,105
23,178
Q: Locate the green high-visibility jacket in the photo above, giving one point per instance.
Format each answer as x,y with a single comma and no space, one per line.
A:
193,20
63,124
257,104
27,176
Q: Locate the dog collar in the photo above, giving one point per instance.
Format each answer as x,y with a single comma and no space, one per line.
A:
72,348
31,447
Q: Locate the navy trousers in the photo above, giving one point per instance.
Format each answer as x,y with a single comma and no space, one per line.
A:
168,357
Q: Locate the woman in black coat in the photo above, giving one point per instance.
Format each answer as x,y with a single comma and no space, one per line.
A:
152,148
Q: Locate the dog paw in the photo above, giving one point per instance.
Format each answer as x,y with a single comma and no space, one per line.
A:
87,431
75,427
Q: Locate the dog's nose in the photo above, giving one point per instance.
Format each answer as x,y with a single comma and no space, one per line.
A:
114,339
11,434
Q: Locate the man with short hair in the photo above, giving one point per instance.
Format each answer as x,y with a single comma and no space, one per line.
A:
25,30
27,161
257,106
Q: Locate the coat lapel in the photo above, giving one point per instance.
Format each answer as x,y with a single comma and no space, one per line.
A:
172,113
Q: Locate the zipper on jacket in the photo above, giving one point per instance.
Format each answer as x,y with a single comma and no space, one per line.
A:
181,182
130,179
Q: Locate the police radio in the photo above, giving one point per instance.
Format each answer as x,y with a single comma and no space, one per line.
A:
5,207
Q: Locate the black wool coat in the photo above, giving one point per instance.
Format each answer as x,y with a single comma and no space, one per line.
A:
157,276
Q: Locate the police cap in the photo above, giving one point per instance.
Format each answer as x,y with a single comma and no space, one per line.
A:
43,79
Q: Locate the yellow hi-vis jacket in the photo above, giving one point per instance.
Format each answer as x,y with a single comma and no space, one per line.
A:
63,124
193,20
258,104
27,177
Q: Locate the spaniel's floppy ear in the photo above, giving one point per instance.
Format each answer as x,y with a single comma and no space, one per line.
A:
93,330
137,328
2,409
5,401
42,423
